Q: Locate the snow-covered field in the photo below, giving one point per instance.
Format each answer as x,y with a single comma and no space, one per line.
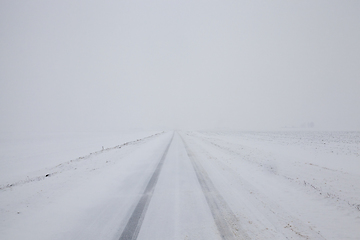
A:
204,185
23,154
301,185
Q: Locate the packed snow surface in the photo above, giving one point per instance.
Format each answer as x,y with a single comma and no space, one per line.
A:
182,185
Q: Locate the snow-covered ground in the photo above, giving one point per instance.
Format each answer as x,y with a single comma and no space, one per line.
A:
22,154
301,185
80,196
207,185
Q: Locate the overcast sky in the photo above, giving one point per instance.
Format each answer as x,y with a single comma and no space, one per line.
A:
243,65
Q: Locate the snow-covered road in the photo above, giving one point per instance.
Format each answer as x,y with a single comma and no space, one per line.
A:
195,185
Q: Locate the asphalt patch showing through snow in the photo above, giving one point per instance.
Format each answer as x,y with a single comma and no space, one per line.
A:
132,228
224,218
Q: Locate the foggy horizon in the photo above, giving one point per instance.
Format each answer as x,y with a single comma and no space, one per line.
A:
189,65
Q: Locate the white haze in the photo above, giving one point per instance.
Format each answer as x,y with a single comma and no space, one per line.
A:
114,65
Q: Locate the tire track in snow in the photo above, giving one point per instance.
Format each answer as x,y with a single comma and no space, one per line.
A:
224,218
132,228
